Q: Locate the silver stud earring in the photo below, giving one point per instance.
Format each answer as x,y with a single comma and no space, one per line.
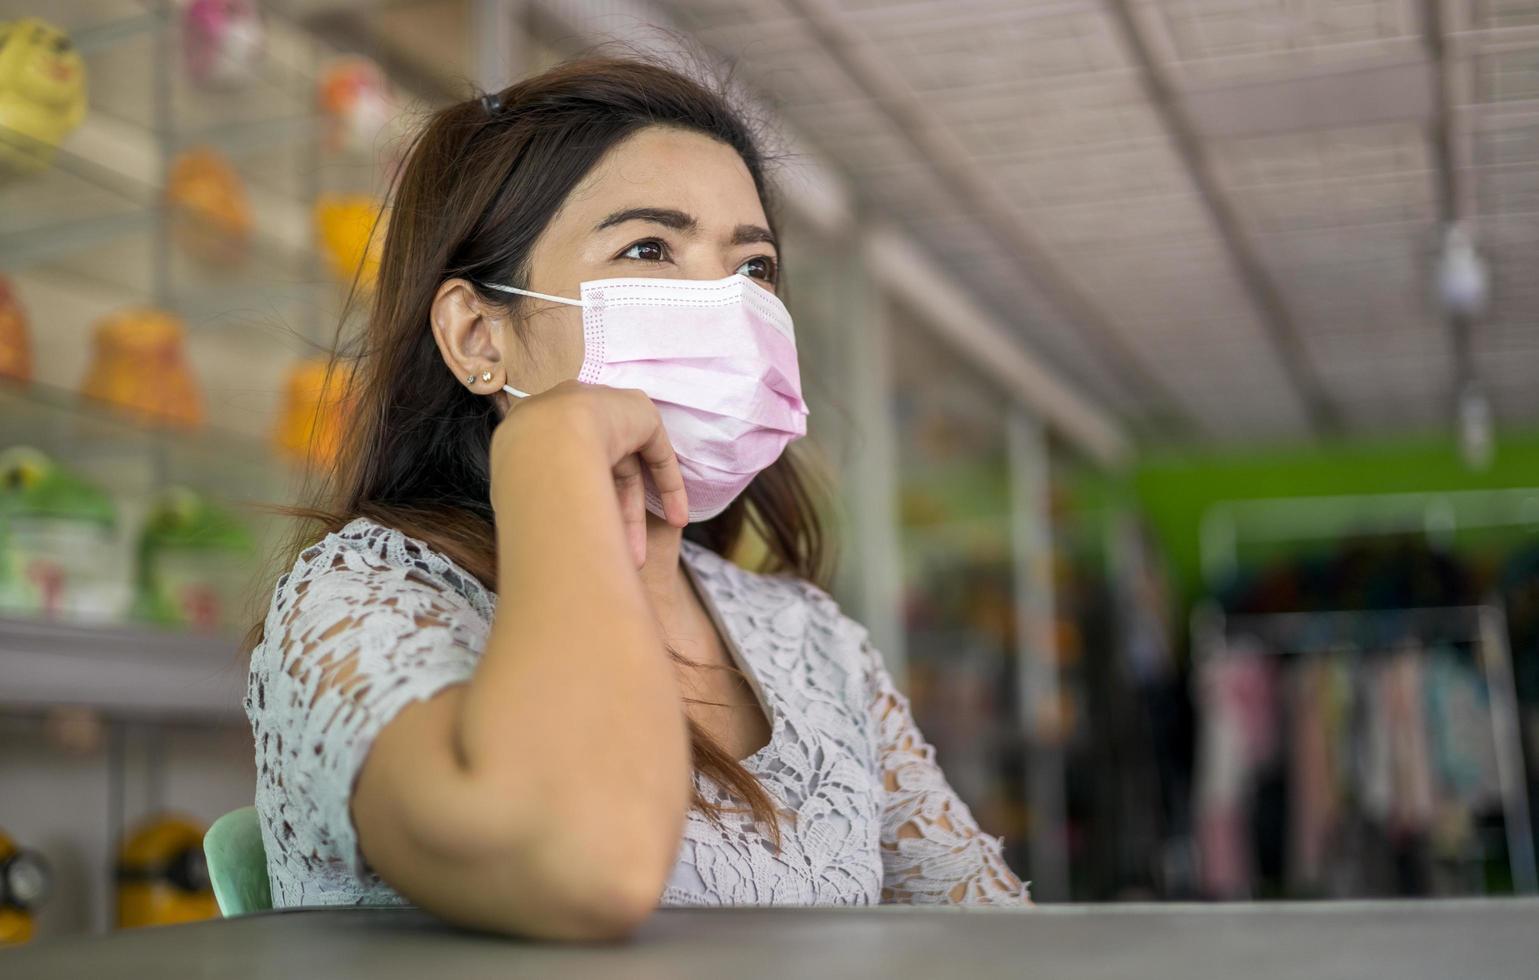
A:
486,375
470,379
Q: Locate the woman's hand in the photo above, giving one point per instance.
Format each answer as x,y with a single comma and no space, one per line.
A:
624,429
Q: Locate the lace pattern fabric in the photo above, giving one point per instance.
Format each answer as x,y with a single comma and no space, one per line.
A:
369,620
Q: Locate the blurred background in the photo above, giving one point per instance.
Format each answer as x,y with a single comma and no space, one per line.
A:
1173,363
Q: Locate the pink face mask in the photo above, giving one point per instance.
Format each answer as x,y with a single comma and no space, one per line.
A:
719,360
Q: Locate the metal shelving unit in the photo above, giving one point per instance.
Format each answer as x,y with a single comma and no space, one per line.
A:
125,673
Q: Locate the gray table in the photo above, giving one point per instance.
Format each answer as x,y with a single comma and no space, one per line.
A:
1403,941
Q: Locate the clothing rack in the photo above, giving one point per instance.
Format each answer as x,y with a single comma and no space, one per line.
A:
1483,626
1230,525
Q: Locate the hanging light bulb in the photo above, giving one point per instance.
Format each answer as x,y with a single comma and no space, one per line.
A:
1463,283
1477,441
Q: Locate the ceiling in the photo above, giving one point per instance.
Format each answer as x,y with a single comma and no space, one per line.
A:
1218,217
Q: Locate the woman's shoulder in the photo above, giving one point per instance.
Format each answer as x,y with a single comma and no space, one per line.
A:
379,560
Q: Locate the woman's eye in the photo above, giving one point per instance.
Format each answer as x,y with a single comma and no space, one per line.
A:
650,250
758,267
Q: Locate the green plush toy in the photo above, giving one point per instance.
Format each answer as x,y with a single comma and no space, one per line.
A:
195,562
56,529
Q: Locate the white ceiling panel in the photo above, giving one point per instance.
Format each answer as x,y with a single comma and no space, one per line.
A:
1227,42
1507,190
1504,73
1497,14
1390,199
1005,47
1136,284
1145,169
1129,221
1321,155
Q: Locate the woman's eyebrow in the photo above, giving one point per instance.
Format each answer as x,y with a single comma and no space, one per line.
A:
680,221
747,234
667,217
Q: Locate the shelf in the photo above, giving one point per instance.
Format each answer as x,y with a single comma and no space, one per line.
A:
97,226
129,673
89,436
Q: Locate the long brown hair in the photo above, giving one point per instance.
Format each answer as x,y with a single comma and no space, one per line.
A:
482,180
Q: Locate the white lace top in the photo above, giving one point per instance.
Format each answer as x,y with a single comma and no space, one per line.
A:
868,814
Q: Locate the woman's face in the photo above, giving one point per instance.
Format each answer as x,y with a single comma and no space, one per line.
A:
665,203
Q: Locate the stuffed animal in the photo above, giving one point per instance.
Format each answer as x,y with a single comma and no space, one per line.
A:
140,367
163,875
223,41
353,94
25,882
352,241
207,199
313,412
195,562
15,340
55,528
42,93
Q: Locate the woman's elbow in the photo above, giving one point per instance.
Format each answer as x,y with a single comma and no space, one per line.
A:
572,903
608,886
616,908
578,880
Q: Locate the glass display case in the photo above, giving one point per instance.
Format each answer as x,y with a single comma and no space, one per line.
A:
188,219
187,192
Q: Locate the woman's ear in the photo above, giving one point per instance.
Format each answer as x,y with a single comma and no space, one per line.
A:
470,336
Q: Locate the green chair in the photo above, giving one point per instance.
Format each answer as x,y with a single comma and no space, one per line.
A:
237,864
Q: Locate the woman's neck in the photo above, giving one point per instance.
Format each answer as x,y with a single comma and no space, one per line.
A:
663,575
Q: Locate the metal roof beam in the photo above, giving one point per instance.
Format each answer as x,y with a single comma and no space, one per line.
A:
1282,330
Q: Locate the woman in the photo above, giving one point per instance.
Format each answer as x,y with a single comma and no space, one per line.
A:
508,684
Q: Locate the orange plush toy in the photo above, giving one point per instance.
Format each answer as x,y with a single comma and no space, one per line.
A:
355,97
15,341
140,366
310,424
42,93
208,200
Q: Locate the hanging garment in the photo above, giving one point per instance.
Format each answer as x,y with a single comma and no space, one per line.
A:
1237,695
1414,803
1459,722
1397,771
1314,793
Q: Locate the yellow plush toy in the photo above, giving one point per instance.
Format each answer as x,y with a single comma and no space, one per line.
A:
42,93
162,875
349,236
24,884
313,413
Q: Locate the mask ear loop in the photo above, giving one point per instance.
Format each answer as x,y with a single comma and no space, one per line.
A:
529,292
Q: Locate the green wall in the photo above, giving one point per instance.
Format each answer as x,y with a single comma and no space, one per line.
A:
1173,488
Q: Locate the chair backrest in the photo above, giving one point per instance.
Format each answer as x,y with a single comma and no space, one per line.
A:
237,863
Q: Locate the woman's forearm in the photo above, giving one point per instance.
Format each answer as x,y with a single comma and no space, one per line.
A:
575,703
